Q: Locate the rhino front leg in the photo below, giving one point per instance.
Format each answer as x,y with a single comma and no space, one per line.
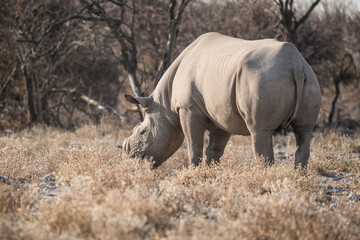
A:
262,145
217,144
193,124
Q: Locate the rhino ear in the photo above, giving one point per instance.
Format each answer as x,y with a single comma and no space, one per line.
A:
143,101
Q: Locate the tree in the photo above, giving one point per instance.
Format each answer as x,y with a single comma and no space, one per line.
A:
175,14
121,18
288,19
73,59
45,42
345,74
121,24
38,39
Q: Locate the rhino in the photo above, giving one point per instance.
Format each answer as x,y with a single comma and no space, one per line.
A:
222,86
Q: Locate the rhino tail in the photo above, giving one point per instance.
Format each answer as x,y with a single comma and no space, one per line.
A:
299,78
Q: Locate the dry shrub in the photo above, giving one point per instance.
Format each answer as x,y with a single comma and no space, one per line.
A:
340,152
102,194
6,203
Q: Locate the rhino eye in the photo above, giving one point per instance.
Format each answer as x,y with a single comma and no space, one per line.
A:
142,132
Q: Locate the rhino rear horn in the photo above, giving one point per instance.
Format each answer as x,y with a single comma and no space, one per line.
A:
143,101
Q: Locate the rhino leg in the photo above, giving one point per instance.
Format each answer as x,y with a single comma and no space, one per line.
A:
303,137
193,124
262,145
304,122
217,144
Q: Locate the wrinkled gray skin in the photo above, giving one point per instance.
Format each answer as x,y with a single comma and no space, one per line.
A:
228,86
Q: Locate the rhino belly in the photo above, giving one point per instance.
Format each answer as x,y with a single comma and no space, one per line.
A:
228,119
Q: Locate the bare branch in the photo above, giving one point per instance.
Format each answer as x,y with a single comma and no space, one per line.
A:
8,79
307,14
113,53
99,106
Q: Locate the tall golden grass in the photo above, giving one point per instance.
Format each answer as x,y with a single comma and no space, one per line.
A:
102,194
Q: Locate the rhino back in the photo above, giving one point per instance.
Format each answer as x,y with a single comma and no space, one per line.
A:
232,80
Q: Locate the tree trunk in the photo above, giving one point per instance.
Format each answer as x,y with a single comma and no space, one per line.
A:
39,112
135,86
333,103
45,107
134,83
30,96
166,61
175,18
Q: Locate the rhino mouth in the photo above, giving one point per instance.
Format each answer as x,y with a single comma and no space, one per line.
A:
142,156
136,154
132,151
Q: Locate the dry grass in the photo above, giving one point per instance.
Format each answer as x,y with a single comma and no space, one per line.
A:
101,194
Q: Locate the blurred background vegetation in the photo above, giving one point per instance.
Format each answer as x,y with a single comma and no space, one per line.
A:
66,63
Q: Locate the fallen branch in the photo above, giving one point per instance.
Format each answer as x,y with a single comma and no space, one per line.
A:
99,106
8,79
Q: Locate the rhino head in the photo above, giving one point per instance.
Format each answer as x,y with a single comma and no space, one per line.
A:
157,137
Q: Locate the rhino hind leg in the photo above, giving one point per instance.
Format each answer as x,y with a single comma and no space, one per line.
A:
303,124
217,144
262,145
303,137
